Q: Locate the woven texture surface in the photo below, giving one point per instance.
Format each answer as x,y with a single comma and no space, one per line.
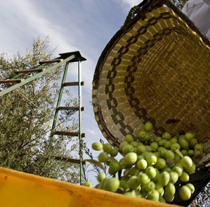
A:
156,69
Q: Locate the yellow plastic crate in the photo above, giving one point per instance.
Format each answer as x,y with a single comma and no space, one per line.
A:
19,189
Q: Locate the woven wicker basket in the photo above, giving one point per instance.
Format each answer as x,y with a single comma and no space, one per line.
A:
155,68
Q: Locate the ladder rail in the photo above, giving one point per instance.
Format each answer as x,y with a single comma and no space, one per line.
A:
60,95
80,121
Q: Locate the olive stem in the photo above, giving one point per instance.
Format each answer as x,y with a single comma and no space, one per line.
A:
179,153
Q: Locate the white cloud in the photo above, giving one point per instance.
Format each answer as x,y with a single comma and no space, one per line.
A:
91,131
33,22
132,3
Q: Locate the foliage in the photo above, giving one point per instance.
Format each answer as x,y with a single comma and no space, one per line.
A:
26,119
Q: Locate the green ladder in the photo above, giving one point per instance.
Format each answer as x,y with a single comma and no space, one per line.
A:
41,69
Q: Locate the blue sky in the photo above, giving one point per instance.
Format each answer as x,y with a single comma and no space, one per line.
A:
72,25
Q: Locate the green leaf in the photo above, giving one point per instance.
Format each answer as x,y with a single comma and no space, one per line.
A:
111,159
95,163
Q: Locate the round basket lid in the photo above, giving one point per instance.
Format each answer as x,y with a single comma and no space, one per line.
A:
156,68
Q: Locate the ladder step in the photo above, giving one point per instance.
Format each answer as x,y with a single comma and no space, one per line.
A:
70,108
75,134
12,81
50,61
31,70
73,83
